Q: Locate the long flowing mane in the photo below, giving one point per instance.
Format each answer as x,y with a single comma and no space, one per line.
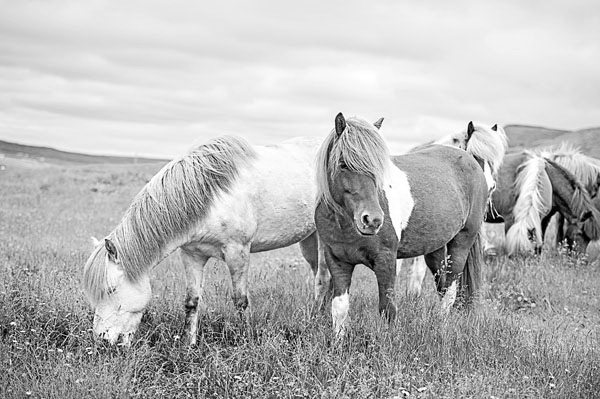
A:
360,149
580,202
530,204
168,206
489,145
586,169
485,143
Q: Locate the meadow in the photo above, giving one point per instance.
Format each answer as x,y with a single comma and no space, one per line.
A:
533,334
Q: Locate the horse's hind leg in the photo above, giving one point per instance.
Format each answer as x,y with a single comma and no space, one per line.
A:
237,257
436,261
193,263
312,250
458,252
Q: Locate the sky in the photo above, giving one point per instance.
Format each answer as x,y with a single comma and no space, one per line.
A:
152,78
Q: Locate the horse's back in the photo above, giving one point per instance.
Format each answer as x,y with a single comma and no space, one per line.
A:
271,204
449,191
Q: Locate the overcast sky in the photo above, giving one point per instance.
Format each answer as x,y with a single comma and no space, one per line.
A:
151,78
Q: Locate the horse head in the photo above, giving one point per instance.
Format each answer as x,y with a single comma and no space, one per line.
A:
118,301
354,162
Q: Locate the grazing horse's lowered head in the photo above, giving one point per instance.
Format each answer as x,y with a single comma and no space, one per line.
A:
120,304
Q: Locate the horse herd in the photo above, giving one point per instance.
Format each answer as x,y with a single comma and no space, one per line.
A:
346,201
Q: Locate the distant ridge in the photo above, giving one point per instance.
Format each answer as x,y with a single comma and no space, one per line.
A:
47,154
524,137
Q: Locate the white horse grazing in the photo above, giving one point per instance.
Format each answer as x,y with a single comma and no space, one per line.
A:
224,199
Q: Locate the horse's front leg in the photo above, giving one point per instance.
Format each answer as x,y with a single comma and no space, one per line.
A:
385,271
341,275
193,263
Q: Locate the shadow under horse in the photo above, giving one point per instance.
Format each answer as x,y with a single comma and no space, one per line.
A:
373,209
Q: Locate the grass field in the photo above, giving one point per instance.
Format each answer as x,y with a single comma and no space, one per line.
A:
534,334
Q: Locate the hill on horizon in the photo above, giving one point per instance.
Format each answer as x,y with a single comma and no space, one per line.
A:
52,155
519,137
523,137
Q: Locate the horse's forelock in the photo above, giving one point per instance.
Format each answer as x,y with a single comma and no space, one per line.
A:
360,149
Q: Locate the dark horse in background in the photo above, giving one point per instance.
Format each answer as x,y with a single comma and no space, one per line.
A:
530,190
373,209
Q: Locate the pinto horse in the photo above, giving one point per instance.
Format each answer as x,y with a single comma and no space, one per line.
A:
531,189
373,209
223,200
484,144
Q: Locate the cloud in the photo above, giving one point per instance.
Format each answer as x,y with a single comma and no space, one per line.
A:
151,77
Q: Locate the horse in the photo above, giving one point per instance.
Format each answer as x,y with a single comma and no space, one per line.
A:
481,142
223,199
531,189
585,169
373,209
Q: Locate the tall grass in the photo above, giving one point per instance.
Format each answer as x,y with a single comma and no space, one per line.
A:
533,334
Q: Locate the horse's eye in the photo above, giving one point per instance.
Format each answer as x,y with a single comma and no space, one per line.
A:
111,290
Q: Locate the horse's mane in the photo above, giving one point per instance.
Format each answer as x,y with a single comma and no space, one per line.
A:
488,145
360,149
485,144
529,205
168,206
580,202
586,169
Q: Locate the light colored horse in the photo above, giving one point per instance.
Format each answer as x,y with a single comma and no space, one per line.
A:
482,143
224,200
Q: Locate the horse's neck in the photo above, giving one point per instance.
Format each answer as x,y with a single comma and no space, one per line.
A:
150,254
562,192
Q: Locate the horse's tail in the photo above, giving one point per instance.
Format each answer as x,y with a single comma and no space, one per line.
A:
489,145
531,176
471,279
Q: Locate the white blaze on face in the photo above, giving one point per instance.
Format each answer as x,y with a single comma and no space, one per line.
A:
339,312
400,200
120,313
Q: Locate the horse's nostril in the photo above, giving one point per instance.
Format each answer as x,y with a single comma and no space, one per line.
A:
366,219
377,222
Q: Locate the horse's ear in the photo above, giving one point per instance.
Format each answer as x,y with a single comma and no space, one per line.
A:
94,241
470,130
111,249
378,123
495,127
340,124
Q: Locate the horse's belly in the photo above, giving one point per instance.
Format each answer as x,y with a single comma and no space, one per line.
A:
281,225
